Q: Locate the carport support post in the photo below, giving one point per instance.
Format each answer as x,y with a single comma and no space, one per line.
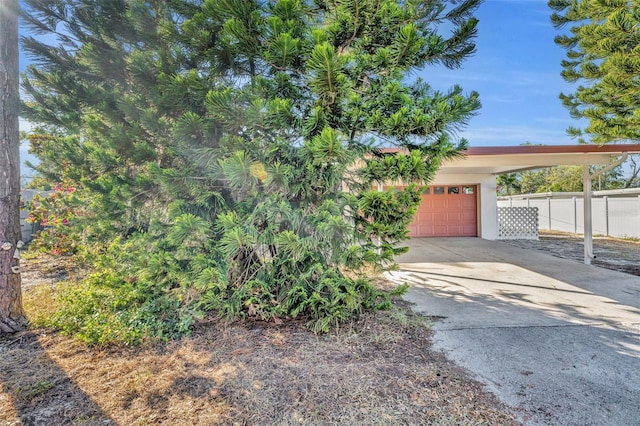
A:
588,231
586,190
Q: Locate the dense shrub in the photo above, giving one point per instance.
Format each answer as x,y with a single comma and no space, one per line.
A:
228,152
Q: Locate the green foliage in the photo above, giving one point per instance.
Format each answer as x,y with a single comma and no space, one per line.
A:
324,296
58,213
564,179
146,287
34,390
553,179
603,53
509,183
230,149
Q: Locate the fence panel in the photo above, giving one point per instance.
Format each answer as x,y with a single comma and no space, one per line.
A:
615,216
580,216
599,213
624,217
562,214
543,211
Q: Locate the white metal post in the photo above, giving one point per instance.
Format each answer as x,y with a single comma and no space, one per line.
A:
588,236
588,228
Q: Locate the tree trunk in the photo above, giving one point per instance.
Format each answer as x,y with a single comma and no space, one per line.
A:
11,315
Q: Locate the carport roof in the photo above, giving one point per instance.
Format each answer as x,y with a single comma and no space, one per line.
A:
507,159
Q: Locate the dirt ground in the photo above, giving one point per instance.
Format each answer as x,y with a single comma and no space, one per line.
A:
378,370
611,253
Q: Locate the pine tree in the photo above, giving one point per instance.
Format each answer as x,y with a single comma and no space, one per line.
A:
11,316
603,52
98,96
262,119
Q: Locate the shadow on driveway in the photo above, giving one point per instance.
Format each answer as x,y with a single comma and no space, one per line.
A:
556,339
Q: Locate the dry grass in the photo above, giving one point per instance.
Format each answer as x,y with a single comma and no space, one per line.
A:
377,370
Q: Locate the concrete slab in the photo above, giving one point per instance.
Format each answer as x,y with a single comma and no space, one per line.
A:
556,339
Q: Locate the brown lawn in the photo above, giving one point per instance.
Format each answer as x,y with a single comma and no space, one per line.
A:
378,370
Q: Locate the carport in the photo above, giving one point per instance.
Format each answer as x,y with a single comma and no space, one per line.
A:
481,165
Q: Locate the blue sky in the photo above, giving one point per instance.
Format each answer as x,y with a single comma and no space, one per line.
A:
516,70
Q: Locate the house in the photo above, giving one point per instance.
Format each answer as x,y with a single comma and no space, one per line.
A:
462,199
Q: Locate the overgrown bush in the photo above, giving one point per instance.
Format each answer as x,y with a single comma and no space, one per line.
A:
156,284
145,286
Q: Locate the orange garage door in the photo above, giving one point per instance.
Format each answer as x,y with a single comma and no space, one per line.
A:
446,211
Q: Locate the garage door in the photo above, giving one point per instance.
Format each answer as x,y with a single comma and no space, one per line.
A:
447,211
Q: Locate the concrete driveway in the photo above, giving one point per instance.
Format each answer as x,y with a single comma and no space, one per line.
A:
557,340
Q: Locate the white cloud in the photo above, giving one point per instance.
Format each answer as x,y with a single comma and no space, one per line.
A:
500,81
557,120
518,1
503,99
528,78
515,135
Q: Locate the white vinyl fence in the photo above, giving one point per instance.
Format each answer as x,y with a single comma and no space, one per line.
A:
616,214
